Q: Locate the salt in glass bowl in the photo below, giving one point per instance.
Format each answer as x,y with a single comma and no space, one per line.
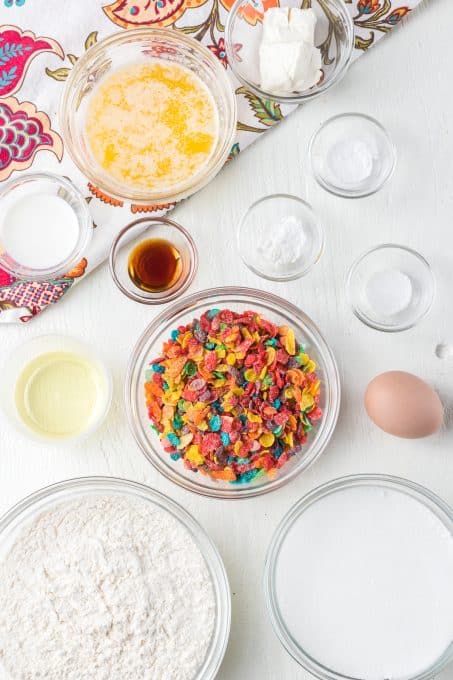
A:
352,155
23,513
152,228
139,45
384,258
278,311
295,647
259,226
37,184
43,344
334,35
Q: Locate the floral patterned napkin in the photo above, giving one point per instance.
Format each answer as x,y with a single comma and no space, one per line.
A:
40,41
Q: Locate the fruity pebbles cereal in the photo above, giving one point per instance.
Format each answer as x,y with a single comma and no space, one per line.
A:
232,395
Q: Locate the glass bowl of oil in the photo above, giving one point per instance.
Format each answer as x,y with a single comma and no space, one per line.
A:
56,389
153,260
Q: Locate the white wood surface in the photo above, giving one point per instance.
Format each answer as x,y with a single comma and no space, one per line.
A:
405,82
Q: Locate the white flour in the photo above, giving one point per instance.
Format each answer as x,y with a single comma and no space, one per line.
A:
105,588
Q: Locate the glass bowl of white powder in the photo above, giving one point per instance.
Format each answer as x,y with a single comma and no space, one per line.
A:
45,226
352,155
106,578
391,287
287,54
280,238
359,580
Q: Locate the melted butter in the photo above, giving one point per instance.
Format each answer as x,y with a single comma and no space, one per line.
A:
56,394
152,125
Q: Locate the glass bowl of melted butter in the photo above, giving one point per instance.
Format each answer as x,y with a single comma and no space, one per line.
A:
148,115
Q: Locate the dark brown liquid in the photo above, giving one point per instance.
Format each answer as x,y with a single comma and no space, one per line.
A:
154,265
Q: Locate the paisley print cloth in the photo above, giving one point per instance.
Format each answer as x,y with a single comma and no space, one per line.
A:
40,41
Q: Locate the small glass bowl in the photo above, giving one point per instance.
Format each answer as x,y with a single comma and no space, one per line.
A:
182,312
255,232
394,260
39,183
43,344
295,647
334,35
138,45
340,139
159,228
24,512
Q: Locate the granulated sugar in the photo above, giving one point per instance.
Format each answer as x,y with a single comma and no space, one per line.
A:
364,583
105,588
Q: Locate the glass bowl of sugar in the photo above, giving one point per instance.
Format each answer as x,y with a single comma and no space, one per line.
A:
280,238
45,226
390,287
358,580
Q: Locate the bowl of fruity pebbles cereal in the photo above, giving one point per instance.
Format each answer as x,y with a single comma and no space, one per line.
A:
232,392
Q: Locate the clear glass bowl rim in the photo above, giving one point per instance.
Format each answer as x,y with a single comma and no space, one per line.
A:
417,491
300,97
182,284
143,196
85,228
101,484
251,295
353,194
319,233
380,327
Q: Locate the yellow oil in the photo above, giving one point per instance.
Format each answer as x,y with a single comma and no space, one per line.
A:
56,394
152,125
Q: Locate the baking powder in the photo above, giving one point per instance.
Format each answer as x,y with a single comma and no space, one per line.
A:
284,241
105,588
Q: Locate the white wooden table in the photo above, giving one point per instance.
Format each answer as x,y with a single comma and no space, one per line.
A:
405,82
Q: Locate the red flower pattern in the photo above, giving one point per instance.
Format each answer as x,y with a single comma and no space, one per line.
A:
220,52
396,15
368,6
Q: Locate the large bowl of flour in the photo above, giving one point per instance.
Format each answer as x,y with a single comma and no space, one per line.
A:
107,579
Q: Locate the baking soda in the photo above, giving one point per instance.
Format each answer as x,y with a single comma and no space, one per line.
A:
364,583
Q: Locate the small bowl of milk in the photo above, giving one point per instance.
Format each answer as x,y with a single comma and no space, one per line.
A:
45,226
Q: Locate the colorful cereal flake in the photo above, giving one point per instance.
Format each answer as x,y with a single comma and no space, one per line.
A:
232,395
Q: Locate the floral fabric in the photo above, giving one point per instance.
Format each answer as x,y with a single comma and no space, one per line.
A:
41,40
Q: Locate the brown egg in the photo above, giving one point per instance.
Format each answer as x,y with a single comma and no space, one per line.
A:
403,405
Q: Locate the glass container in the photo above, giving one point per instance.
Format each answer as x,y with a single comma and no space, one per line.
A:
294,646
260,225
22,514
153,228
390,287
334,35
276,310
139,45
25,188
